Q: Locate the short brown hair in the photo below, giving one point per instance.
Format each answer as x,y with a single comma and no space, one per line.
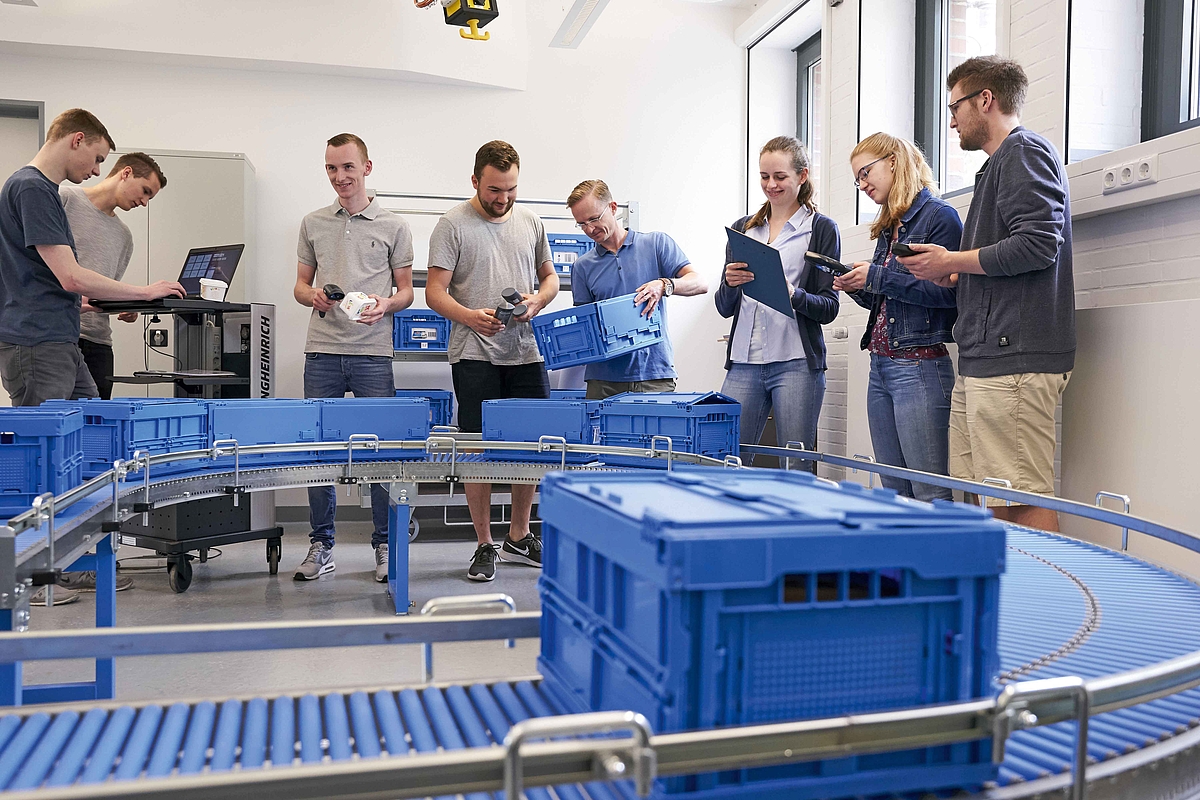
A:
343,139
142,165
1002,76
595,188
498,155
76,120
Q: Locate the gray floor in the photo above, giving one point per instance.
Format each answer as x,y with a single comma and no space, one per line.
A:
235,587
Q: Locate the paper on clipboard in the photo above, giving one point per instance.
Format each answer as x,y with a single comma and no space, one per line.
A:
769,286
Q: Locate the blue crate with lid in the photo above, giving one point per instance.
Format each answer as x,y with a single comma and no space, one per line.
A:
527,420
41,450
595,331
389,418
566,248
264,421
704,423
420,329
707,597
120,427
441,403
568,394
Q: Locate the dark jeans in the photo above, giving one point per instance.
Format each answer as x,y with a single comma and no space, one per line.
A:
476,381
908,410
51,371
99,360
327,375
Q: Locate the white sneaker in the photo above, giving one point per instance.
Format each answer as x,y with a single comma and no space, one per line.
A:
381,563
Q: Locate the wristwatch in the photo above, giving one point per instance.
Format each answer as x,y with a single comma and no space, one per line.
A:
668,287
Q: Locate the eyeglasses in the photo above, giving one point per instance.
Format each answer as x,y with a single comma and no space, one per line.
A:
954,106
591,222
865,172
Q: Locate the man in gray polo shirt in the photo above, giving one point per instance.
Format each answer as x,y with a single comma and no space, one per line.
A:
360,247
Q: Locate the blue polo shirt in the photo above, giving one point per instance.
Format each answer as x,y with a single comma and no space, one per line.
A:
600,275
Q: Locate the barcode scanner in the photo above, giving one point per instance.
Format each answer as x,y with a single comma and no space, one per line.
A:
334,293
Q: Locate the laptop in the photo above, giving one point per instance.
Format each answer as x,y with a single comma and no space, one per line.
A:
215,263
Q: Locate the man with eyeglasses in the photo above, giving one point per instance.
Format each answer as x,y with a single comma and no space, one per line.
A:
649,266
1016,294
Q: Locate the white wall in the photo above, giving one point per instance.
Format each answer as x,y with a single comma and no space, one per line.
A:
650,102
772,106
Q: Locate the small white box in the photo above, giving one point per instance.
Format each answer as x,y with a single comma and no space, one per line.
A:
355,303
213,289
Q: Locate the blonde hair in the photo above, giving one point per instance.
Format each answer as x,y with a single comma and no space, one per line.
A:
594,188
800,161
911,175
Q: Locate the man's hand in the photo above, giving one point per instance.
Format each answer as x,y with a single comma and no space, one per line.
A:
650,293
371,315
931,263
738,273
853,280
533,304
321,301
483,321
162,289
86,307
128,316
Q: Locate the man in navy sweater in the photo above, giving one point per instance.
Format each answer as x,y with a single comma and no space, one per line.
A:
1016,295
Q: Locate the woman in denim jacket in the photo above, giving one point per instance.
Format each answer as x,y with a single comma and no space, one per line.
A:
912,377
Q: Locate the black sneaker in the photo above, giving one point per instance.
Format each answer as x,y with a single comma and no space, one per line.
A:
524,551
483,563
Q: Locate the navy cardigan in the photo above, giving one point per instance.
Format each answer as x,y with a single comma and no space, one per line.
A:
815,301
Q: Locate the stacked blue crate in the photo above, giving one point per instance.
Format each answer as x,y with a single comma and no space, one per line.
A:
420,329
568,394
120,427
41,450
389,418
441,403
565,250
527,420
709,597
264,421
595,331
704,423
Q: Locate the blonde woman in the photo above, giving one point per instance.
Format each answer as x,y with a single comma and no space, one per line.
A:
912,378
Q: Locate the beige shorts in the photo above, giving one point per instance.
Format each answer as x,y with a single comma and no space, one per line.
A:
1003,428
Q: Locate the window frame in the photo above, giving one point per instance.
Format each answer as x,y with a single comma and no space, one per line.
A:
1162,69
807,56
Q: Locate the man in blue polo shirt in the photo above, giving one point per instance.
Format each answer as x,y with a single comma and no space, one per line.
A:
648,265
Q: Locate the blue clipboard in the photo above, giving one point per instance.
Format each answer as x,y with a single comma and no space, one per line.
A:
769,286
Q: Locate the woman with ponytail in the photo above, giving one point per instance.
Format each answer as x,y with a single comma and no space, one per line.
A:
776,363
912,378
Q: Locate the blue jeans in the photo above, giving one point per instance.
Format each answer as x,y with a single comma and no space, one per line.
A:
908,409
790,388
327,375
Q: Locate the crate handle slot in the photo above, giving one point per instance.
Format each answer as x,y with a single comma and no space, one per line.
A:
654,440
612,760
1124,498
546,444
462,602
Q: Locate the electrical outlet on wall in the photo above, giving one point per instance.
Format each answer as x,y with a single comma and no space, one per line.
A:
1131,174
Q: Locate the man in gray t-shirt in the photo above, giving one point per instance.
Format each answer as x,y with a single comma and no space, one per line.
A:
360,247
479,249
104,244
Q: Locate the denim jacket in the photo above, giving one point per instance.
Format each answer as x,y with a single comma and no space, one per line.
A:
920,313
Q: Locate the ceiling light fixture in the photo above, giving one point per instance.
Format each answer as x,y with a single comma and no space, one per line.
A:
577,23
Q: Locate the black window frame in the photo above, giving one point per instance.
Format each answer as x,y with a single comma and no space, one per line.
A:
930,54
807,55
1162,68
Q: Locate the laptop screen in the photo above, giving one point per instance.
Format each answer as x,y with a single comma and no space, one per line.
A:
217,263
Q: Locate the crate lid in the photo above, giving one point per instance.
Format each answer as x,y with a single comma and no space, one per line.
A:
722,527
128,407
40,420
678,399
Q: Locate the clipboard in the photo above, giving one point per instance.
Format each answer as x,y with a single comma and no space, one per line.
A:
769,286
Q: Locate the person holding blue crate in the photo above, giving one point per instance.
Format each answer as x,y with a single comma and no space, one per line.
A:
776,363
912,376
649,266
357,245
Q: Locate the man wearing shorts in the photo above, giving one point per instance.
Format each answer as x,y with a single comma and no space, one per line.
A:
478,249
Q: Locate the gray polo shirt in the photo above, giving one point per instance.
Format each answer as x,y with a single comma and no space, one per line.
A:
104,244
358,253
487,258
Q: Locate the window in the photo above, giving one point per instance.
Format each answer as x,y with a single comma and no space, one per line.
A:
1170,67
808,103
1104,98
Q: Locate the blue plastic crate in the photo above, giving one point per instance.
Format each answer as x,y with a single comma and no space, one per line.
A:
264,421
420,329
595,331
441,403
120,427
527,420
566,248
41,450
389,418
708,597
568,394
704,423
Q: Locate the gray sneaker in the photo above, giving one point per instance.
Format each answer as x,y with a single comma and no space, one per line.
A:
381,563
62,597
86,582
318,562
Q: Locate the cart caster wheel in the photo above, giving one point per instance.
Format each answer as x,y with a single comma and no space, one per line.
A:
414,528
274,551
179,575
